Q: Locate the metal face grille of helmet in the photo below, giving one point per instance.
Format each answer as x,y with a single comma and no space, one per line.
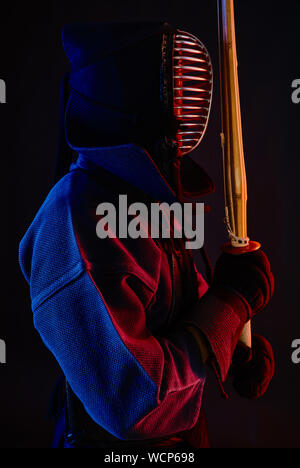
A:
192,90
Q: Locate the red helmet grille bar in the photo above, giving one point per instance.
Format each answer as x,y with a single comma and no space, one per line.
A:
192,90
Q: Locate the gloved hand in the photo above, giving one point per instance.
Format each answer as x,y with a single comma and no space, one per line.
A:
242,285
247,274
252,369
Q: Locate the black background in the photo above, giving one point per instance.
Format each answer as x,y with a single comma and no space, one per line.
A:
32,63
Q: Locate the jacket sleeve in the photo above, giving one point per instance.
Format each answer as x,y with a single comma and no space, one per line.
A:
220,316
90,304
132,383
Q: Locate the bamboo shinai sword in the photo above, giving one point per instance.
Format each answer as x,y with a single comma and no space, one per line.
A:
235,183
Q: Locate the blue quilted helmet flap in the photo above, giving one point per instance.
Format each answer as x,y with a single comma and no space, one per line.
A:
115,83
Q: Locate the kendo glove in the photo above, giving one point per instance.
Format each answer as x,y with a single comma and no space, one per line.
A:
252,369
248,275
242,285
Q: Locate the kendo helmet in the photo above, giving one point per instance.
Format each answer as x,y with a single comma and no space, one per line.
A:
146,83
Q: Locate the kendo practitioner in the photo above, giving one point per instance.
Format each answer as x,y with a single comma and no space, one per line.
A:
131,323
